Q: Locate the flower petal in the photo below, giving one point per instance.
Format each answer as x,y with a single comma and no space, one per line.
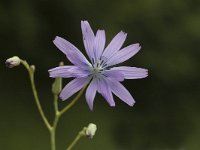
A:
105,91
131,72
90,93
99,43
67,72
72,53
72,87
114,74
120,91
124,54
88,38
114,45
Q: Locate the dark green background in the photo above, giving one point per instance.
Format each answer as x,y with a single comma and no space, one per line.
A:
166,113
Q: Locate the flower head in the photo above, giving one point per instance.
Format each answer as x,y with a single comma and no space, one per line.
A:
13,61
98,71
91,130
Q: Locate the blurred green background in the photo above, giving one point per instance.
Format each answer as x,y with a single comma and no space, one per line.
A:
166,113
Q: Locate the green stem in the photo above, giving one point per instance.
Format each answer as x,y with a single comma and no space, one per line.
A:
31,76
53,133
56,104
55,122
73,101
58,114
80,134
52,139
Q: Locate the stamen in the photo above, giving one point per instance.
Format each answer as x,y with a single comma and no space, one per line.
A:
104,65
92,60
98,67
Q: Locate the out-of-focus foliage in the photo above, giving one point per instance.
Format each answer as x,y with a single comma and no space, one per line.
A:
166,113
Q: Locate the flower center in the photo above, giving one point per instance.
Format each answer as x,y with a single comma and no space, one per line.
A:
98,67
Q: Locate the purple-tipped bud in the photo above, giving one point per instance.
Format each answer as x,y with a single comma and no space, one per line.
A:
12,62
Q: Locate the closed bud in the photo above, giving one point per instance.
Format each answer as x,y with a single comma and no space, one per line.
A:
12,62
57,85
90,131
32,68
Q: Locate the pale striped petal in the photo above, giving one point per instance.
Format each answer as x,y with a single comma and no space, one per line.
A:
124,54
67,72
99,43
88,38
114,45
72,87
131,72
120,91
72,53
105,91
90,93
114,74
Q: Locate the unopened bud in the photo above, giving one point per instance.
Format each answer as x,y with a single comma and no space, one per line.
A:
61,63
33,68
12,62
90,131
57,85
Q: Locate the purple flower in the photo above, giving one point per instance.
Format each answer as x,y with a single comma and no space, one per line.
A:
99,71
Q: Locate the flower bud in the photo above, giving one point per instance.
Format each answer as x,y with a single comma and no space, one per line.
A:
57,85
90,131
12,62
32,68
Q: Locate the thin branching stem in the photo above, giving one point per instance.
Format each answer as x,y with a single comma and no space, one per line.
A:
31,76
58,114
73,101
77,138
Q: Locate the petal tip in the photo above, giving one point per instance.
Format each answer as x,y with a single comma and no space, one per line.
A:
61,96
56,38
112,105
132,104
91,108
90,105
138,45
147,72
122,32
84,23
